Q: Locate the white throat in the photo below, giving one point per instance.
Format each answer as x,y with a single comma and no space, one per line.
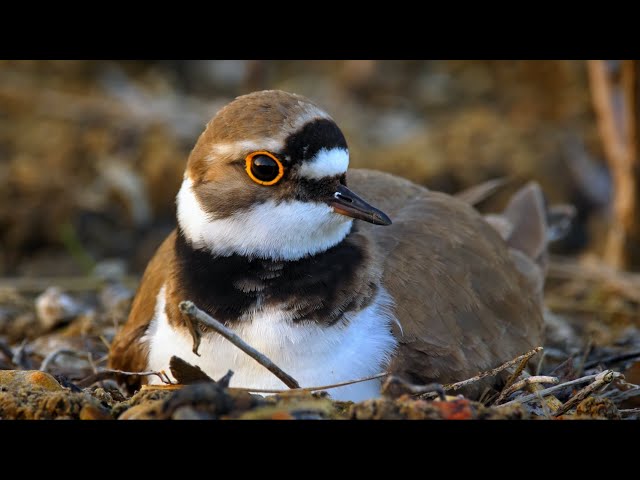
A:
287,230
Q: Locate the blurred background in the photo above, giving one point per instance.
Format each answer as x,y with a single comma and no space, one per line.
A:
92,152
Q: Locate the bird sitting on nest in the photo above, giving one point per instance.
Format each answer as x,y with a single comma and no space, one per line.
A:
334,274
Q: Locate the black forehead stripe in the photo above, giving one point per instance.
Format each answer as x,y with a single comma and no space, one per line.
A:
304,144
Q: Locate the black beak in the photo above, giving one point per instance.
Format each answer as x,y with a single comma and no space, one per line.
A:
345,202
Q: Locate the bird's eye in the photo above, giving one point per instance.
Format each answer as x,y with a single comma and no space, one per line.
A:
264,168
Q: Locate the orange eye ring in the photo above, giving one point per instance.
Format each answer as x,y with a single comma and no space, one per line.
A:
249,168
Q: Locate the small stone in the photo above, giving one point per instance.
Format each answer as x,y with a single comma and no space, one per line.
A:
190,413
91,412
110,269
28,380
54,307
148,410
116,296
598,407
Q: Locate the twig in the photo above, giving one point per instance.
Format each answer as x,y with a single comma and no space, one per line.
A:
103,359
615,99
194,331
545,405
395,387
493,372
629,411
188,308
108,373
514,376
613,359
550,390
310,389
524,383
51,357
602,380
105,342
20,356
539,366
585,355
91,363
6,351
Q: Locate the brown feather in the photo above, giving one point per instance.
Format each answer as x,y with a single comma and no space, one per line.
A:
462,303
128,352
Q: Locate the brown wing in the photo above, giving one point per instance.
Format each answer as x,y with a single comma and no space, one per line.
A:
462,303
127,351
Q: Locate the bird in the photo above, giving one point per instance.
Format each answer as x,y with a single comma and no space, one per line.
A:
333,273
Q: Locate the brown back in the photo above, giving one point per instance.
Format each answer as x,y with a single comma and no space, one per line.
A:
463,304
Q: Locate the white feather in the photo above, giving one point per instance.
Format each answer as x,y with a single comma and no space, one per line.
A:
326,163
312,354
287,230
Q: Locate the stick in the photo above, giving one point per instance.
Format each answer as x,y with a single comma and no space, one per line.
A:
585,355
619,127
108,373
515,375
491,373
188,308
310,389
6,351
550,390
21,357
524,383
612,359
49,359
629,411
602,380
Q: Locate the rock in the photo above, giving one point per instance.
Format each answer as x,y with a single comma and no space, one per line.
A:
34,395
295,406
598,407
190,413
116,296
91,412
112,269
54,307
11,380
149,410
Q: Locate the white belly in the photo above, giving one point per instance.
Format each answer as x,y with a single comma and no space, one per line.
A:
312,354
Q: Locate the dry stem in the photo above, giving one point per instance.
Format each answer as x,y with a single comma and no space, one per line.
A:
602,380
310,389
524,383
555,388
189,308
107,373
493,372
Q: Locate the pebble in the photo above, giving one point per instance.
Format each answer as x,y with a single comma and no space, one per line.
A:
28,379
54,307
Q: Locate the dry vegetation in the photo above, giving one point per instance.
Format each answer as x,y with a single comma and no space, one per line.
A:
92,153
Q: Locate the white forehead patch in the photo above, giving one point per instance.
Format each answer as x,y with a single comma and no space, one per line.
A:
244,147
287,230
326,163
